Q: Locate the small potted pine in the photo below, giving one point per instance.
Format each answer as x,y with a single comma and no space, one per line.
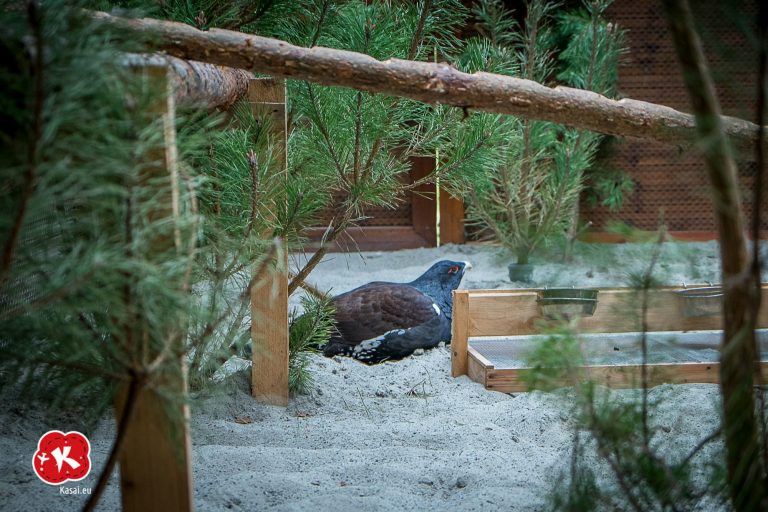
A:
529,193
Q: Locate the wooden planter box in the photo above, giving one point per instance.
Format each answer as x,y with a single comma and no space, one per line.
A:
493,330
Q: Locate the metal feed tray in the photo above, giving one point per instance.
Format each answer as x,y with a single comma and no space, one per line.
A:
567,302
704,301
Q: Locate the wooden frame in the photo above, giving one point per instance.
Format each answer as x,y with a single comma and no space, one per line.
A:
516,313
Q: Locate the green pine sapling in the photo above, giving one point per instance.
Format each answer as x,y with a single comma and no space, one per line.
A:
529,197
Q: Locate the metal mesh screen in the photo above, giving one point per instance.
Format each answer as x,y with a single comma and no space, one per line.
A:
615,348
667,179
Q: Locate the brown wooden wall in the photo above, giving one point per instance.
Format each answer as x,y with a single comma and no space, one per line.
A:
666,178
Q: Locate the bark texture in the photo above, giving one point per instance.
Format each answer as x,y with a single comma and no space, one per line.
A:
198,84
428,82
746,476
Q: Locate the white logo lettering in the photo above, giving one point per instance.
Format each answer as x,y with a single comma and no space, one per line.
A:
61,458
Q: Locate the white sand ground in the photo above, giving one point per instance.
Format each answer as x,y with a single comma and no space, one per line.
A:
396,436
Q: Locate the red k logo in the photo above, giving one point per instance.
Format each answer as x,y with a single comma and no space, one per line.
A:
62,457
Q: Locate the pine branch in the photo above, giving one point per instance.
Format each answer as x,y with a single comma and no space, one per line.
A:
757,211
358,141
315,292
320,22
338,224
244,19
644,304
700,446
78,367
747,477
320,123
417,36
445,170
573,227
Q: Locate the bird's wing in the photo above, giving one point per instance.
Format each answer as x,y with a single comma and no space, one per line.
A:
400,343
377,308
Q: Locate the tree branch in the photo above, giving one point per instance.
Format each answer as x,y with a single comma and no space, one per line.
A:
337,226
419,33
326,135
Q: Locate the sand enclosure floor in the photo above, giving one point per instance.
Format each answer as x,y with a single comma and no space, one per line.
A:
399,435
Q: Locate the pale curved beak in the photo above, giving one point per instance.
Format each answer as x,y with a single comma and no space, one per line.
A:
467,266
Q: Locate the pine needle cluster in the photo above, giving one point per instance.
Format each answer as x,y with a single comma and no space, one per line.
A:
307,332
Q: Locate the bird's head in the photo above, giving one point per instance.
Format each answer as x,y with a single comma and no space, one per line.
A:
446,274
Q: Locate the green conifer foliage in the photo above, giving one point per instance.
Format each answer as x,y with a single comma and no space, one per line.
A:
96,262
356,147
532,194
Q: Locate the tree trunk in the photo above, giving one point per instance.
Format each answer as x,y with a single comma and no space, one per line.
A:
746,476
427,82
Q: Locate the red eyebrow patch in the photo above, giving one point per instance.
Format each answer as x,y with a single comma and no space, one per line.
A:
453,269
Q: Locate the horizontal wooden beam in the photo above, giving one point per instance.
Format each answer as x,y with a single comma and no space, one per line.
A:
196,84
516,312
615,376
369,238
427,82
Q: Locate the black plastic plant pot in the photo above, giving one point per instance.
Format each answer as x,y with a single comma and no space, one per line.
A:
520,272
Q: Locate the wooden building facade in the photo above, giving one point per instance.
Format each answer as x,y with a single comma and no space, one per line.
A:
669,183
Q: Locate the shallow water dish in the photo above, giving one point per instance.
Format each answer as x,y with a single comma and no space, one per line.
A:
567,302
705,301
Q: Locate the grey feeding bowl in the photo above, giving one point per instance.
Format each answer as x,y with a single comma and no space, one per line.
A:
705,301
567,302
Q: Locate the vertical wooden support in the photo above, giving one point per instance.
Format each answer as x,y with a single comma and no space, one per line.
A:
459,333
451,219
155,470
423,203
269,297
424,207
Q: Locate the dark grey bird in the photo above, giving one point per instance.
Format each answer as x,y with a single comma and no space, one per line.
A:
380,321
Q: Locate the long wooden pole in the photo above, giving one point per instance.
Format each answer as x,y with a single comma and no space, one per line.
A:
427,82
196,84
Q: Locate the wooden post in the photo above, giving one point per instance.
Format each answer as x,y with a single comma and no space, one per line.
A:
451,219
155,470
423,201
425,204
459,332
269,297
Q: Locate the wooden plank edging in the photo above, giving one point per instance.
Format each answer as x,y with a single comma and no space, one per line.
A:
459,332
